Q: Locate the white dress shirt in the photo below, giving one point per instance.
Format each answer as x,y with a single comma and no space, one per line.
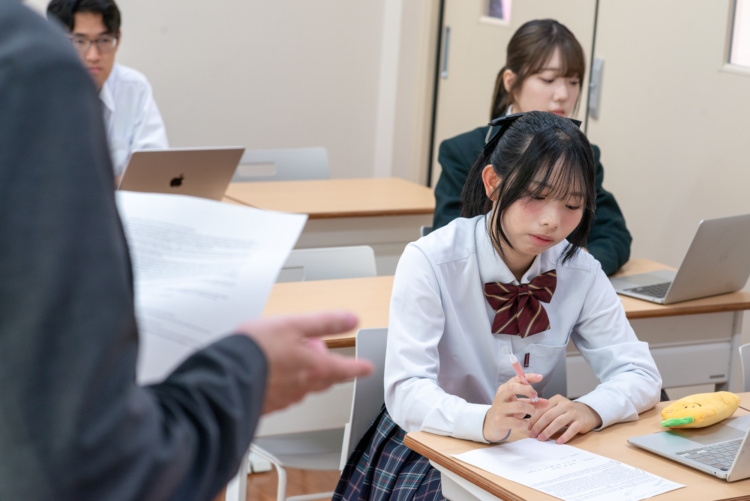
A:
443,363
130,114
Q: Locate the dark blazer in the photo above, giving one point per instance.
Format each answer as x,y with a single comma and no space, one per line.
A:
74,425
609,240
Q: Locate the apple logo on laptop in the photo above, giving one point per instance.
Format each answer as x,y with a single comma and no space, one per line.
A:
176,182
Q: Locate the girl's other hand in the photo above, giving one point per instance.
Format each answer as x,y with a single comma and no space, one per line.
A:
561,412
508,410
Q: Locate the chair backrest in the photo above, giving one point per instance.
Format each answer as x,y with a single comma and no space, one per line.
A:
425,230
289,164
745,366
328,263
369,394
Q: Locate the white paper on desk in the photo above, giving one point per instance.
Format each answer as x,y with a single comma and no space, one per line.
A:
201,268
567,472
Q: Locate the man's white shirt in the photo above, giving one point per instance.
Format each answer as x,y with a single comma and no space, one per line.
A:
131,117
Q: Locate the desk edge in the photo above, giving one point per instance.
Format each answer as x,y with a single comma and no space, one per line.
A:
459,467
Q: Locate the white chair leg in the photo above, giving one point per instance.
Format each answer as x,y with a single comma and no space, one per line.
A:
311,497
258,464
237,487
281,491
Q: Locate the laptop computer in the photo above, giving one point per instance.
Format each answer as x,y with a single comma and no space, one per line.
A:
717,262
200,172
722,450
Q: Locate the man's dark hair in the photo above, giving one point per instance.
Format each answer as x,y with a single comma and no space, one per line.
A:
65,11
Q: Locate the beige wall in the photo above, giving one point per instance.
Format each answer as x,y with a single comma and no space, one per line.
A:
290,73
356,77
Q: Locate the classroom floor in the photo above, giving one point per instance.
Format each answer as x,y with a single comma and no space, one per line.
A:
262,486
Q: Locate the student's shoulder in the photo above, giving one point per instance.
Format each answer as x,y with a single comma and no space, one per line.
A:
453,242
127,75
597,154
473,140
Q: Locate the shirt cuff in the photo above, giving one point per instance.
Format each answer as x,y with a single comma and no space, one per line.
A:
606,412
469,424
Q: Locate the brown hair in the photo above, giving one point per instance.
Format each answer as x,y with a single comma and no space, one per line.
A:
528,50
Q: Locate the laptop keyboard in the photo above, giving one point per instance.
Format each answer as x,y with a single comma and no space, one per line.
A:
655,290
720,456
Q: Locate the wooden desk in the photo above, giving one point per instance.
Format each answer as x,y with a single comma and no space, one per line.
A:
385,213
637,309
462,481
369,298
693,342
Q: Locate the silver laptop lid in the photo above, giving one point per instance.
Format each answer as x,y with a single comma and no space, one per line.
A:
199,172
717,262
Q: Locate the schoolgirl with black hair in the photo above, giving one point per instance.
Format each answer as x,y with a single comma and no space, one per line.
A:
502,279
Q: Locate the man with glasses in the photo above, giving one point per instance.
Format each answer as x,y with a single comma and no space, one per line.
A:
130,114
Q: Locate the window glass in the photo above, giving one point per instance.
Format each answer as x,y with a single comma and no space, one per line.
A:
498,9
740,48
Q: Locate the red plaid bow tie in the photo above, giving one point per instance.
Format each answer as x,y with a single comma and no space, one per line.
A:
517,307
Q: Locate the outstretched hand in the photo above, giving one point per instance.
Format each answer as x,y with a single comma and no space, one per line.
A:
298,360
507,410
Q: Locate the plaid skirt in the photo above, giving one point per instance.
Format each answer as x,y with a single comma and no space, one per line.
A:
382,467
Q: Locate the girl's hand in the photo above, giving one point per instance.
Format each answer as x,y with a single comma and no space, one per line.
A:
561,412
508,410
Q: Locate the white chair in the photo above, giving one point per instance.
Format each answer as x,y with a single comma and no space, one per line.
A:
328,263
289,164
330,449
745,366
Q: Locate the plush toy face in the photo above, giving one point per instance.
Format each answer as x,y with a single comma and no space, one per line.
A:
699,410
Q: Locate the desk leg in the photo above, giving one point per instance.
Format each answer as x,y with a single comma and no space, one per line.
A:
733,384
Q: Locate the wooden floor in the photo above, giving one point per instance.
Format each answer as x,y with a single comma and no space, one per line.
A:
262,486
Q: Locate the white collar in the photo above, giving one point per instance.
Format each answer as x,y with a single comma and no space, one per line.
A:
492,268
105,96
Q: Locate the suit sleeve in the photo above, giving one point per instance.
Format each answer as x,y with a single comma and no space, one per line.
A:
609,240
456,156
74,425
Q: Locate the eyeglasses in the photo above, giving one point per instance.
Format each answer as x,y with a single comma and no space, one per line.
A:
104,44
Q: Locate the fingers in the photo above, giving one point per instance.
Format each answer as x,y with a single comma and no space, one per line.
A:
573,430
514,387
331,369
312,325
562,413
298,360
323,323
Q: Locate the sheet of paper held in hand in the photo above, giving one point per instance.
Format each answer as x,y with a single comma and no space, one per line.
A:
201,268
567,472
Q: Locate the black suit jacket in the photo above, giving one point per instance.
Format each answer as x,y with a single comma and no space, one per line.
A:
609,240
74,425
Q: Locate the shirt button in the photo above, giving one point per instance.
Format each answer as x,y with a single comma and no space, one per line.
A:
506,350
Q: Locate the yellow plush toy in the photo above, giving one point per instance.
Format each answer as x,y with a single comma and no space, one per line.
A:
699,410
